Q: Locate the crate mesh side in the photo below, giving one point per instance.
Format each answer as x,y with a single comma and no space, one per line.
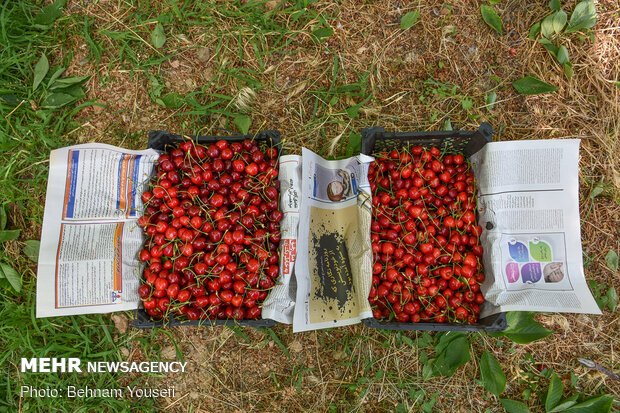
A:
445,144
264,142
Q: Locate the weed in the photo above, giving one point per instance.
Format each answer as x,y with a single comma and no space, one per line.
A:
319,71
554,27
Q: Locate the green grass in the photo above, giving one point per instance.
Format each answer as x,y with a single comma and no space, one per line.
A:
252,47
90,338
27,134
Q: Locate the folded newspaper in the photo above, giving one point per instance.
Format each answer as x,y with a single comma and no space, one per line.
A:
527,204
90,237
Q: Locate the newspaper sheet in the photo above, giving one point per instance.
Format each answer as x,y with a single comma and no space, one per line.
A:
280,303
334,259
528,205
90,239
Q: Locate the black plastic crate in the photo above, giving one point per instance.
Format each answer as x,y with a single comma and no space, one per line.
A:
495,322
375,140
142,321
160,140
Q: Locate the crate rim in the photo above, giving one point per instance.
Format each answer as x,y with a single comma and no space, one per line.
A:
478,138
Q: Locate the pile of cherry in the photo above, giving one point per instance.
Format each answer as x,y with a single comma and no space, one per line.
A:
425,240
212,226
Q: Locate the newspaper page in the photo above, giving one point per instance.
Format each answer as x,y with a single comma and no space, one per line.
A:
280,304
90,238
528,204
334,258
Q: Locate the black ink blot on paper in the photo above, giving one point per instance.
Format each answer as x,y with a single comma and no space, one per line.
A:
334,269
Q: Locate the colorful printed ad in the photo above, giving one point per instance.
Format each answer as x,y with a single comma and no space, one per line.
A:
534,261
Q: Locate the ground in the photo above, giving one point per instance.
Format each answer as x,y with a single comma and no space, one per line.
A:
319,72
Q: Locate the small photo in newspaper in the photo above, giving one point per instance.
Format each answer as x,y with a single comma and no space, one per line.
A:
335,185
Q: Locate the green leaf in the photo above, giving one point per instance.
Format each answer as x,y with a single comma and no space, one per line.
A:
596,404
534,30
568,70
158,37
555,5
50,13
564,404
409,19
559,21
243,122
76,91
513,406
531,85
57,100
172,100
3,218
491,98
443,340
554,393
598,189
424,341
427,407
10,99
156,87
59,71
611,259
522,328
354,144
12,276
427,370
562,55
491,374
598,288
551,48
9,235
69,81
416,395
467,103
573,379
353,111
32,249
583,17
612,298
40,70
321,34
452,352
546,26
491,18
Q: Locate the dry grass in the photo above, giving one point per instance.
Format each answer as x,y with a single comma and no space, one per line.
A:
449,45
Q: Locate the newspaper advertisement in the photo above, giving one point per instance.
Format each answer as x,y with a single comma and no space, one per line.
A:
280,303
88,260
334,261
529,209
